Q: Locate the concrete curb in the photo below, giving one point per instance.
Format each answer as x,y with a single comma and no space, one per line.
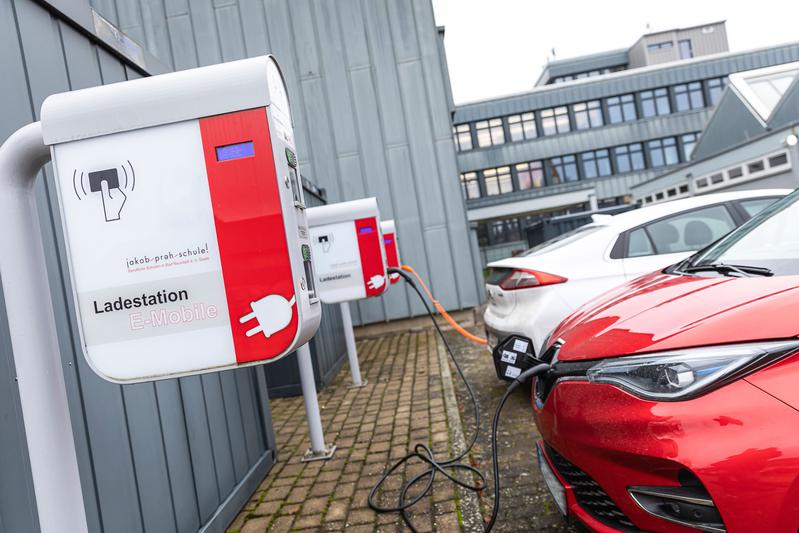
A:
470,505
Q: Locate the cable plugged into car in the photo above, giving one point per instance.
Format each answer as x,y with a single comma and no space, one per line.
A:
522,349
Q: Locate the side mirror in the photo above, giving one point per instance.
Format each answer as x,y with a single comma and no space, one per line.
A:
513,356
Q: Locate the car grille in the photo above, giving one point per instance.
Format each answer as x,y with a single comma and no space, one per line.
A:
590,495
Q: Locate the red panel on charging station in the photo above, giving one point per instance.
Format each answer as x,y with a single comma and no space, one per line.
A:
392,260
369,247
249,225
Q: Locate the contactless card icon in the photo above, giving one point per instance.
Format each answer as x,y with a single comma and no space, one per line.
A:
112,186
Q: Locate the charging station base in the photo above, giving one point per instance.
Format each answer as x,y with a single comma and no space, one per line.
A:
323,455
362,385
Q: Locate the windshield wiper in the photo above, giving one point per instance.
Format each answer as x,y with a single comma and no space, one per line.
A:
723,268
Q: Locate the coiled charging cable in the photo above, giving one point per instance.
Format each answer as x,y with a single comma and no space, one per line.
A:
448,467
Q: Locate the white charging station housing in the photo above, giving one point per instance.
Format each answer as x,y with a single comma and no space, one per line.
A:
391,246
184,220
348,250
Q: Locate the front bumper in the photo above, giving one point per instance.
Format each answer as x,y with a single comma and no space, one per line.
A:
739,442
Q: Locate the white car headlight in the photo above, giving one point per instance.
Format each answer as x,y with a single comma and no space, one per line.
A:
683,374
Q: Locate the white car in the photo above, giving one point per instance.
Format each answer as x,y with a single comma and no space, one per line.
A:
533,292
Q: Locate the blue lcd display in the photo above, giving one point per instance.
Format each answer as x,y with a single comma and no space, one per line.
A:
235,151
366,229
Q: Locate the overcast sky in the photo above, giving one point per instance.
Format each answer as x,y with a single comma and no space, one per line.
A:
498,47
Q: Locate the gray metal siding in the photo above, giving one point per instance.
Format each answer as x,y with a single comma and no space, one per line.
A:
176,455
627,81
370,107
731,123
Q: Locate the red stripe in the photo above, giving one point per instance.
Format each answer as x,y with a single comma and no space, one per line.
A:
369,246
392,258
249,228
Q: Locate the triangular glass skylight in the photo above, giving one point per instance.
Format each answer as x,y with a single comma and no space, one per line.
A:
762,89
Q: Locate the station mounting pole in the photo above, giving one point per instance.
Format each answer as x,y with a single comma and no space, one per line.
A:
34,339
352,351
319,450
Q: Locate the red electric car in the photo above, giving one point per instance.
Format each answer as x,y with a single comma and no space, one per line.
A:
673,401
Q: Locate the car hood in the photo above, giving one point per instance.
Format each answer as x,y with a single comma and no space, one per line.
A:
664,312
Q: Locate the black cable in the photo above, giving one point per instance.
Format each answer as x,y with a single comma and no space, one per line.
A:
425,454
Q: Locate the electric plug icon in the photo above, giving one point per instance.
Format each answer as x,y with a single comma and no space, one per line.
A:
273,313
376,281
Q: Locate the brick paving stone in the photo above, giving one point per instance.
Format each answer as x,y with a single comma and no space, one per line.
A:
402,405
256,525
337,510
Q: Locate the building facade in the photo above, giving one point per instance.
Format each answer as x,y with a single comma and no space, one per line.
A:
372,110
750,141
573,145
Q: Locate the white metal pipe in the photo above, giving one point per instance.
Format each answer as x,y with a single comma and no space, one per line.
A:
34,340
352,351
311,400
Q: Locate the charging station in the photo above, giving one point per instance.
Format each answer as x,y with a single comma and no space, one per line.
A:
184,219
350,261
391,247
187,247
347,246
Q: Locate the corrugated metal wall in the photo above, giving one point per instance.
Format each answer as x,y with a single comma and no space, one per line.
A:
370,105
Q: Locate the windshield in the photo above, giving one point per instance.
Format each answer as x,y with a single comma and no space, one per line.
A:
770,240
562,239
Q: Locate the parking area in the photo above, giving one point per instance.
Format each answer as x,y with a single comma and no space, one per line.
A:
412,395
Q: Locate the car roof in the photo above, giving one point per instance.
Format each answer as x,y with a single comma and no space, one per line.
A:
634,217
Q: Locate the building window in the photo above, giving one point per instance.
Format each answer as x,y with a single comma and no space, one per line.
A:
654,47
489,132
686,50
587,115
562,169
530,175
688,96
522,127
656,102
688,143
629,158
714,89
663,152
596,163
470,185
497,181
463,137
621,109
502,231
555,120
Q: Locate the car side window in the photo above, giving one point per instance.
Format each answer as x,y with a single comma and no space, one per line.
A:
639,244
688,232
756,205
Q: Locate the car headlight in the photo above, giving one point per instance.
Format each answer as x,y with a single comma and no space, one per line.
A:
684,374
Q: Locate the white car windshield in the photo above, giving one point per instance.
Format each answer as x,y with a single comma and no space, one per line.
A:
563,239
769,240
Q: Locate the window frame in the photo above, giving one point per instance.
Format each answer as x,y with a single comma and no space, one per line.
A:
522,122
621,106
623,246
554,114
464,184
591,111
490,128
457,136
659,95
497,175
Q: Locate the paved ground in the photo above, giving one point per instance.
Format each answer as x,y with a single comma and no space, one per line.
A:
525,502
410,398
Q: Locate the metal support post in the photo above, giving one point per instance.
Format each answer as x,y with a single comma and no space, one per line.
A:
319,450
34,340
352,351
